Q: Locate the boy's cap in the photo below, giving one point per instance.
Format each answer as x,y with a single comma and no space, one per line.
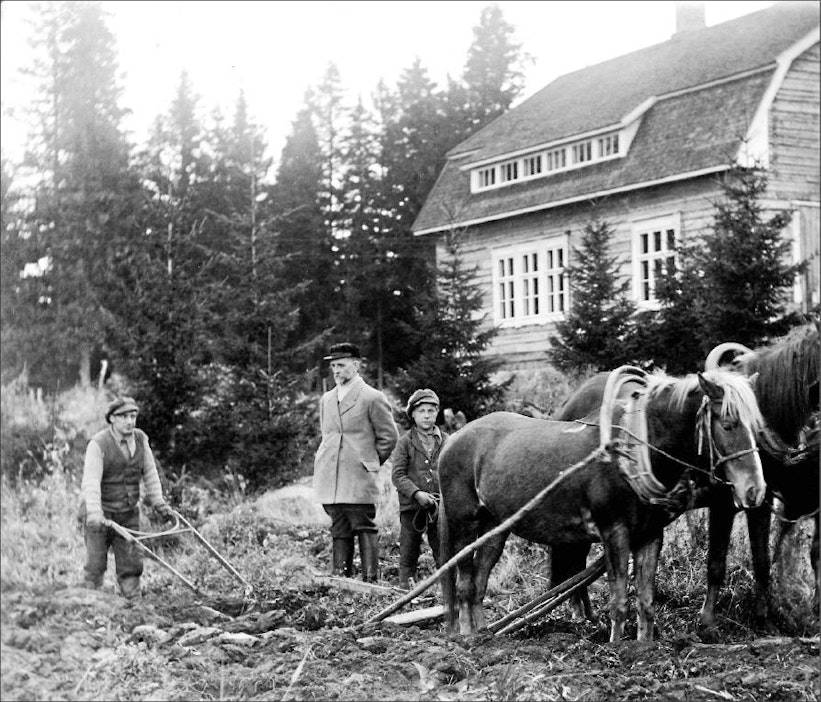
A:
421,397
120,406
343,350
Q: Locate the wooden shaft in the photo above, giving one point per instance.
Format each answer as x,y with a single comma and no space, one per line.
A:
214,552
122,531
586,576
582,579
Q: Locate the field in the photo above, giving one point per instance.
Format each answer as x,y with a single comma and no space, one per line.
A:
297,636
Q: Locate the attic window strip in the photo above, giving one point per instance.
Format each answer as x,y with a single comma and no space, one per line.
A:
542,164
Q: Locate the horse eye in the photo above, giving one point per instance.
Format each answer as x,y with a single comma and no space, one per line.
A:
729,425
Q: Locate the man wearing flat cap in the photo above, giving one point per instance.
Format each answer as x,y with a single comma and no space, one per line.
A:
117,460
358,435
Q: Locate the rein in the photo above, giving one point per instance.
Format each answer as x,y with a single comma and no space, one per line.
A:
431,515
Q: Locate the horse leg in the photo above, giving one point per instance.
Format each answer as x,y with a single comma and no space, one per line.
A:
722,514
463,533
566,560
465,595
486,557
814,558
758,527
646,560
456,532
617,556
448,579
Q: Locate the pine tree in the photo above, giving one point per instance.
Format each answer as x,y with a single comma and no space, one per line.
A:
451,331
598,333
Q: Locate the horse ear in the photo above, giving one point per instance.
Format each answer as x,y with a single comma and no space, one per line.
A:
713,391
753,378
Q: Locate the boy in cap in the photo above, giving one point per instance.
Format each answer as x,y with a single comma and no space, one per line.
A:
416,477
358,435
117,459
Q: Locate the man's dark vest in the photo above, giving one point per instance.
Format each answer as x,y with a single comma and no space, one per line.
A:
120,486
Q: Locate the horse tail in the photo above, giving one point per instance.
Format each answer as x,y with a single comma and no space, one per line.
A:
447,579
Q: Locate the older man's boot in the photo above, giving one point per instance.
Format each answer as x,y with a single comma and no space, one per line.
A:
369,554
342,557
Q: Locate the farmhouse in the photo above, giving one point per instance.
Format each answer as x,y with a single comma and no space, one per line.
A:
638,141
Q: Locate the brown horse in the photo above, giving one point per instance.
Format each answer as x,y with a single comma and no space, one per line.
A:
787,392
496,464
786,388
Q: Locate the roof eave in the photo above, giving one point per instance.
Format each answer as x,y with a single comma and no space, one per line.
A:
570,200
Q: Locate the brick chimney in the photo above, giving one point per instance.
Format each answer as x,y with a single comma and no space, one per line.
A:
689,16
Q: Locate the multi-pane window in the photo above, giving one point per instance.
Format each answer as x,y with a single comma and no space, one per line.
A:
487,177
532,165
583,152
609,146
530,283
510,171
556,159
545,163
506,283
654,247
556,290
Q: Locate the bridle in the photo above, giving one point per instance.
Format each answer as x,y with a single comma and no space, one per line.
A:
705,428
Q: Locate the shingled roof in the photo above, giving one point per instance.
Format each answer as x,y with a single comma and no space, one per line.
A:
698,130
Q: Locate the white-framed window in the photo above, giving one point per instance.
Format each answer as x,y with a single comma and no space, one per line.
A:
531,295
510,171
583,152
556,159
654,242
557,299
577,154
530,283
609,146
487,177
532,165
506,287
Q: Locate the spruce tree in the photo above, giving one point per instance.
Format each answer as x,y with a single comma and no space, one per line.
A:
598,332
745,261
87,199
732,283
453,335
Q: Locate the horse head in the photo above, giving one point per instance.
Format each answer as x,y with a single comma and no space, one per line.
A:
729,420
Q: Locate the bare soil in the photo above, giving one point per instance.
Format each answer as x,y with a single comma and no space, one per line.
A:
297,638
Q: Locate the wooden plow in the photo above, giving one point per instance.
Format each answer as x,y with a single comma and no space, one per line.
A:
533,609
181,526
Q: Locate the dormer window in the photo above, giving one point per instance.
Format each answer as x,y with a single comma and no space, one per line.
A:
583,152
487,177
544,163
556,159
510,171
609,145
532,165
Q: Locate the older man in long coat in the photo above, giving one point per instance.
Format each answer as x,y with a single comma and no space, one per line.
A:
358,436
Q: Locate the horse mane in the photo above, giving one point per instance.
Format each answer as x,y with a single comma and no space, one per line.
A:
787,368
739,400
